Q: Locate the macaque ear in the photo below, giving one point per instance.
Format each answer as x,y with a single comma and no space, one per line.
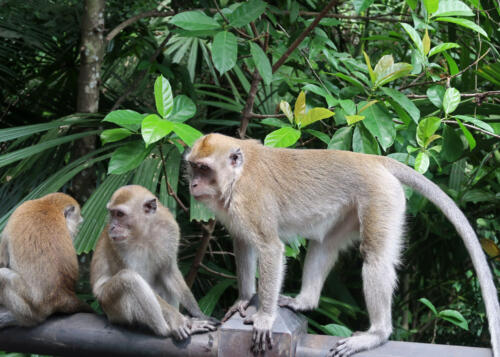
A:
150,206
236,158
69,210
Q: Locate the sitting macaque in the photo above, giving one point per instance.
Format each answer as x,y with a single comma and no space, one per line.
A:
38,264
134,272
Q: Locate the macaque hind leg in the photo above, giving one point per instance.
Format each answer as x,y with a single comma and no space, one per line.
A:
320,259
381,231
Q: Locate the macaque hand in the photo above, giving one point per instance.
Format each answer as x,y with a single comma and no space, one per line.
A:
180,327
200,326
239,306
262,337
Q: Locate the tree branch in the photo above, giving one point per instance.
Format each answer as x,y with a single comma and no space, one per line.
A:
208,229
473,128
465,95
169,188
153,13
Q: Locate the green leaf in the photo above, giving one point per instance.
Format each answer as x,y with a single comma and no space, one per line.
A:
370,69
403,100
451,100
127,157
342,139
349,79
163,96
349,106
452,65
246,13
300,106
313,115
128,119
154,128
210,300
426,128
184,109
199,212
320,135
442,47
379,123
431,5
429,304
187,133
112,135
287,110
422,162
435,95
194,21
452,8
468,135
465,23
412,4
351,119
274,122
452,144
479,123
282,138
262,63
430,139
337,330
224,51
426,42
363,141
455,318
386,70
414,36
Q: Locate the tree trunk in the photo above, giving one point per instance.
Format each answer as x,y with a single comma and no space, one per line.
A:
89,80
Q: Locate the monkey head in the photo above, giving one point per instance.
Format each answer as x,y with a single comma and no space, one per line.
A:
215,163
71,210
130,209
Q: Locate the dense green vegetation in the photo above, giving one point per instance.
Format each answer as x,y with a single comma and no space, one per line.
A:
418,81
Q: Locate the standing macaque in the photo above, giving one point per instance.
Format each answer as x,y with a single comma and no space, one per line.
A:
134,272
334,198
38,264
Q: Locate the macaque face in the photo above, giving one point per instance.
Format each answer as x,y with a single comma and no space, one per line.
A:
120,224
203,180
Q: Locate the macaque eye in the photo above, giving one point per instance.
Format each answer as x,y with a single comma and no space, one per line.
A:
204,168
119,214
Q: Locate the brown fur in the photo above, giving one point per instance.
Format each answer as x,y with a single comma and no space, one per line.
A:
41,256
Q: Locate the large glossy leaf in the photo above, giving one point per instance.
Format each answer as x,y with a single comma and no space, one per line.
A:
414,36
246,13
479,123
300,106
465,23
17,155
342,139
112,135
452,8
154,128
455,318
452,144
262,63
184,109
435,95
351,119
379,123
127,157
431,5
386,70
128,119
429,304
404,102
426,128
422,162
337,330
224,51
426,42
194,21
187,133
468,136
287,110
442,47
451,100
95,214
363,141
370,69
282,138
163,96
313,115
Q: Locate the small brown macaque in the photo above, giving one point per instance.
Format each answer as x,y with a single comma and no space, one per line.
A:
134,272
38,264
265,196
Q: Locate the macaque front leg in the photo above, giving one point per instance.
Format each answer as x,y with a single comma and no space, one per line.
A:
271,276
246,261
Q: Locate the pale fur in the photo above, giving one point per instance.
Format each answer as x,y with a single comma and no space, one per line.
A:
137,280
334,198
38,264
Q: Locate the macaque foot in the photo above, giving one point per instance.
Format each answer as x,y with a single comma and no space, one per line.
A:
200,326
262,338
296,304
181,329
239,306
359,341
